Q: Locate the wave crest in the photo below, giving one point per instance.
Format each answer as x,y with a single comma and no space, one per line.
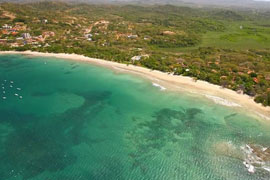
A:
219,100
159,86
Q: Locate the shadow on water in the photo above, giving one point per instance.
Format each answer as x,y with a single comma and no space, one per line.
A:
168,126
40,144
41,94
191,133
68,72
247,130
10,64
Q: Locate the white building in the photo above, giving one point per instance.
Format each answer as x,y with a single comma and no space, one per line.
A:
6,27
26,35
132,36
45,21
88,35
136,58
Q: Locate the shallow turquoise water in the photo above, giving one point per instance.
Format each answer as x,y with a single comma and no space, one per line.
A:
79,121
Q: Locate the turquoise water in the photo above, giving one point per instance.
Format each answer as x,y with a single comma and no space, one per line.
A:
78,121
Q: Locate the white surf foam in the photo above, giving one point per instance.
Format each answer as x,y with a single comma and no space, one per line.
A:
253,160
159,86
263,116
219,100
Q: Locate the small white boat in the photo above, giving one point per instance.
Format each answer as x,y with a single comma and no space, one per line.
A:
4,98
11,86
19,89
4,92
3,87
16,94
11,82
20,97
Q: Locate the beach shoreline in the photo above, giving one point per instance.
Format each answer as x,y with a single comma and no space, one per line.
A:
175,83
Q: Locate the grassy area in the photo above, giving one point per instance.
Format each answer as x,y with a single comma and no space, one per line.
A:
240,35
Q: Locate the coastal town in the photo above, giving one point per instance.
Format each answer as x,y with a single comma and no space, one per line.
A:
17,36
178,44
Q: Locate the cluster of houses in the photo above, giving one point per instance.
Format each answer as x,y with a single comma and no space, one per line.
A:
12,30
17,36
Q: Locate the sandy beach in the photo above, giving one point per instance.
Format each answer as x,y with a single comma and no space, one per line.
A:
169,82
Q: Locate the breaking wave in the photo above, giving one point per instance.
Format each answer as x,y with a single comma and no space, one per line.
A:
159,86
256,157
222,101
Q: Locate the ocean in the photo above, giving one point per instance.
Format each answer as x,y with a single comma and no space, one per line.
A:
68,120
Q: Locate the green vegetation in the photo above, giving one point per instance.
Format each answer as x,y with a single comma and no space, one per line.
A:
230,48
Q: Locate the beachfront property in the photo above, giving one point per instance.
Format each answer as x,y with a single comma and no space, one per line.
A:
136,58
